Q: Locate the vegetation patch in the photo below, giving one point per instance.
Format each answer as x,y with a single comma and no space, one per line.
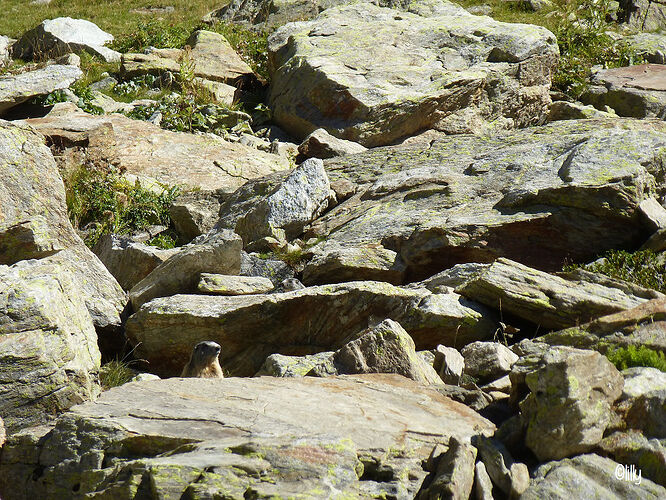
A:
630,356
115,373
251,46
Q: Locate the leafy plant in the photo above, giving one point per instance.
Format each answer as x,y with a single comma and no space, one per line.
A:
158,34
630,356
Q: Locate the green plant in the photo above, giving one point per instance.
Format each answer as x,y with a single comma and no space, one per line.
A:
158,34
630,356
115,373
251,45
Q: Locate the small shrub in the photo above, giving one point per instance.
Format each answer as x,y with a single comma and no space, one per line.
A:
630,356
160,35
115,373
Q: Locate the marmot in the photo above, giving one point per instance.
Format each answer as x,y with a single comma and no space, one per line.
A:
204,362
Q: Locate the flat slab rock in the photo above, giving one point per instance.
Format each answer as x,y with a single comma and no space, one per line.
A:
240,438
154,155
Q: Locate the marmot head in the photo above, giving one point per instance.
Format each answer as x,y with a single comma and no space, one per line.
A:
205,353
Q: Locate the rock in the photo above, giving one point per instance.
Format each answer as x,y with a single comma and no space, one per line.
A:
17,89
632,448
299,199
271,443
213,57
589,476
3,434
48,346
487,360
636,91
641,380
154,156
642,15
501,385
449,364
653,214
482,483
55,37
34,225
568,409
537,5
562,110
649,46
422,209
128,261
5,49
541,298
300,322
511,477
222,284
454,476
143,377
275,270
385,348
195,213
648,413
395,78
277,365
216,253
321,144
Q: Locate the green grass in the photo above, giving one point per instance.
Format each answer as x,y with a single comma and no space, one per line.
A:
630,356
115,373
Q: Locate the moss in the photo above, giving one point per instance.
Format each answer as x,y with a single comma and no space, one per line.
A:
631,356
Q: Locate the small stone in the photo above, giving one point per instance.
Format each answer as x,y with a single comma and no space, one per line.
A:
488,360
449,364
223,284
482,483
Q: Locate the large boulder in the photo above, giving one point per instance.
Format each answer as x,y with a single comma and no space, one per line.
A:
373,75
541,196
648,414
633,448
19,88
306,321
569,406
353,437
146,152
49,359
642,15
64,35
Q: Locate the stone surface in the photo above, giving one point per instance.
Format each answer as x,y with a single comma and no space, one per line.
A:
449,364
129,261
653,214
154,156
236,437
636,91
649,46
511,477
297,201
195,213
562,110
487,360
647,455
568,408
483,486
540,196
217,253
306,321
648,414
56,37
321,144
17,89
642,380
642,15
589,476
222,284
454,476
374,75
277,365
49,357
5,46
275,270
3,434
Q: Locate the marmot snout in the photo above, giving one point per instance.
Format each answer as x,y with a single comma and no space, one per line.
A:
204,361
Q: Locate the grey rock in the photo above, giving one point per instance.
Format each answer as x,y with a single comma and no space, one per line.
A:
642,15
218,253
589,476
483,486
17,89
641,380
321,144
222,284
502,385
374,75
562,110
511,477
649,46
5,48
278,365
487,360
276,440
128,261
454,476
648,414
652,214
143,377
275,270
474,398
3,433
569,406
306,321
632,448
195,213
300,198
449,364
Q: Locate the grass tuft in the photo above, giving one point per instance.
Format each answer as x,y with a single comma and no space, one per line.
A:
115,373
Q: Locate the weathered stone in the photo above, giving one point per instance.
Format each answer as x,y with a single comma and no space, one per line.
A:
501,385
474,398
648,413
449,364
649,46
589,476
652,214
511,477
636,91
195,213
275,270
222,284
642,15
128,261
299,199
422,209
306,321
385,348
648,455
271,443
321,144
568,409
3,433
641,380
402,72
154,156
277,365
17,89
5,46
55,37
483,486
49,357
216,253
454,476
487,360
562,110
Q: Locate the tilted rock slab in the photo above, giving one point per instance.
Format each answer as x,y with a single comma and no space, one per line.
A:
155,156
373,75
539,196
17,89
242,438
306,321
49,359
